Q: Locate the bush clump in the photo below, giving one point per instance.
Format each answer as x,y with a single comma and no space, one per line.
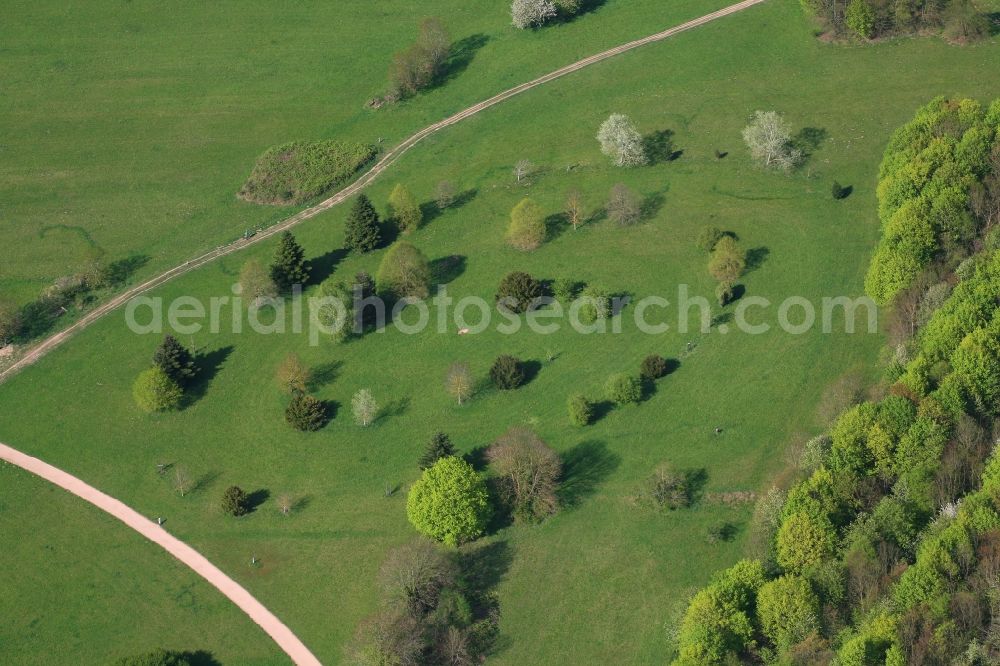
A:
235,501
295,172
581,411
507,372
623,389
517,290
653,367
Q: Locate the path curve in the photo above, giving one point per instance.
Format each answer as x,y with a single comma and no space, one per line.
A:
235,592
388,159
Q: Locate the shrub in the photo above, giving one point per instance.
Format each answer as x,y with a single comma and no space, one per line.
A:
624,206
708,237
581,411
158,657
294,173
507,372
838,191
623,389
725,292
527,226
235,501
256,283
419,65
728,261
404,272
404,209
565,290
653,367
529,471
305,412
155,391
597,304
289,266
666,488
175,360
860,18
361,231
449,502
438,447
292,375
517,291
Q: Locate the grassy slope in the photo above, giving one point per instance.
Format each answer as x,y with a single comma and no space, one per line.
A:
142,115
599,581
78,589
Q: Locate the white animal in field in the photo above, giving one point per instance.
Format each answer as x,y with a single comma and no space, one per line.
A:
463,331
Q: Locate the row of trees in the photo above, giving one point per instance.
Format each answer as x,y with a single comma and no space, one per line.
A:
727,261
886,550
22,323
958,20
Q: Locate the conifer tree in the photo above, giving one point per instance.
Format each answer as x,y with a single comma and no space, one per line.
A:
439,447
289,266
305,412
362,233
175,360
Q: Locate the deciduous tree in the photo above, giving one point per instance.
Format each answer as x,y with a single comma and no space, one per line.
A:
449,502
529,470
531,13
364,407
256,283
527,226
458,382
292,374
404,272
624,206
769,139
404,209
621,141
155,391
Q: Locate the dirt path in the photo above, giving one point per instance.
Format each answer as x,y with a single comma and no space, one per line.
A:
281,634
388,159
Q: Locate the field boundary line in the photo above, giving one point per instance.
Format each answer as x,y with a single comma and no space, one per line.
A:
50,343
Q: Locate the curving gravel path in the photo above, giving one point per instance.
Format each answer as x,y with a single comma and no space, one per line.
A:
281,634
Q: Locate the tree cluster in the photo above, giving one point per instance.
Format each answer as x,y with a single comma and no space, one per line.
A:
161,387
958,20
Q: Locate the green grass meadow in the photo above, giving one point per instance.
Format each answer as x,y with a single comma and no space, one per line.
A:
601,581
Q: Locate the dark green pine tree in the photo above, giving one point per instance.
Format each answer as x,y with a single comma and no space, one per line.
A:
439,447
289,266
305,412
175,360
362,233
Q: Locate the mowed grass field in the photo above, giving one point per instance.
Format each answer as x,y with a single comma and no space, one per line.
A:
98,590
129,127
601,581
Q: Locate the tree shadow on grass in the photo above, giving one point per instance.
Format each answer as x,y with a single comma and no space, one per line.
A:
531,368
209,364
460,56
429,210
600,409
652,204
324,374
118,272
484,567
205,481
659,147
324,265
447,269
555,225
394,408
808,140
585,7
256,499
585,466
756,258
695,480
200,658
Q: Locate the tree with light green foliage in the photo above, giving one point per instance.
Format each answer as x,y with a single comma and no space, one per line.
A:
155,391
449,502
788,610
404,272
860,18
804,541
527,226
404,209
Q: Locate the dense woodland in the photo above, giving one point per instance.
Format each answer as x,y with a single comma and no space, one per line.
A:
887,548
957,20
